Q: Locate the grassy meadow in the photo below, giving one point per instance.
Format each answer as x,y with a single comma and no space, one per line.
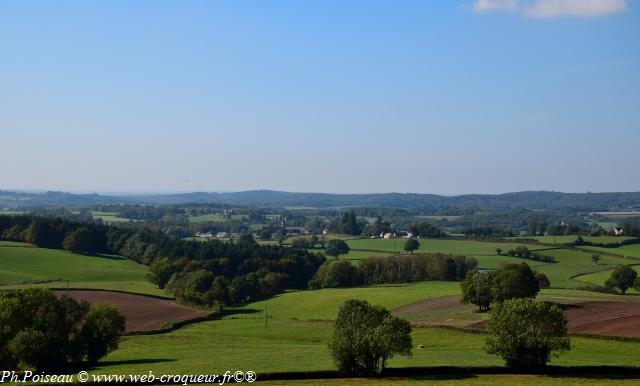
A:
300,325
21,265
598,278
108,216
625,250
569,263
571,238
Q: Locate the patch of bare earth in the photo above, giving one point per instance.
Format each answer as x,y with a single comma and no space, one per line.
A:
142,313
440,311
605,318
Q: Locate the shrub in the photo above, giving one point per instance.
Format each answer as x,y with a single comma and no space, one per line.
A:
365,337
477,289
622,278
101,331
525,333
336,248
516,281
411,245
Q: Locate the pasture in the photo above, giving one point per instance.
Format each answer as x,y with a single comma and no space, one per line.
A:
214,217
108,217
632,250
23,265
299,327
568,263
598,278
454,247
571,238
299,323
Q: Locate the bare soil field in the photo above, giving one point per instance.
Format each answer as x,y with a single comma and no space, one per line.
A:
604,318
609,318
441,311
439,303
142,313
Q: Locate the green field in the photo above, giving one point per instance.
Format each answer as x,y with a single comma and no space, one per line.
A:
625,250
12,212
299,327
569,262
455,247
22,264
108,216
598,278
215,218
572,238
299,324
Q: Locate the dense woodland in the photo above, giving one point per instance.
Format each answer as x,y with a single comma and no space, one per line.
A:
199,272
392,269
436,204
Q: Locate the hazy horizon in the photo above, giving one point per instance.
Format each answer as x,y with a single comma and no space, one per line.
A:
154,193
450,98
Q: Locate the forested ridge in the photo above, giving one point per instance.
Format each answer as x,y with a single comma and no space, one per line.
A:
269,198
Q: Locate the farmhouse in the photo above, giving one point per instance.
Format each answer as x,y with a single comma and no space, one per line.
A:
222,235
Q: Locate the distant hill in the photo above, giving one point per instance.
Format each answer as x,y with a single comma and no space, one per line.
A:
269,198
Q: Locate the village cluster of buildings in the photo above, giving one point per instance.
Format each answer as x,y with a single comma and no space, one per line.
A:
393,235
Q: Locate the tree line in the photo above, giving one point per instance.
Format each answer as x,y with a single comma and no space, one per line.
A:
392,269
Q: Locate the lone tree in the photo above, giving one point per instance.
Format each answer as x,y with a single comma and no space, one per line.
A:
336,248
516,281
595,259
622,278
477,288
525,333
366,336
498,251
411,245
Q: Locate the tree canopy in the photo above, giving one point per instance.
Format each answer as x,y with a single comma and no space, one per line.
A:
366,336
40,331
525,333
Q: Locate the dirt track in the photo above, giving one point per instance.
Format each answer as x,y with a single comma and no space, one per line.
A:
610,318
142,313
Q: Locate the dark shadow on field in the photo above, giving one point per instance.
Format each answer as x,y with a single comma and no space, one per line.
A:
242,311
73,368
459,373
109,257
146,361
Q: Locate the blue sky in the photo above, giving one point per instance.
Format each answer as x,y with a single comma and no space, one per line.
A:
441,97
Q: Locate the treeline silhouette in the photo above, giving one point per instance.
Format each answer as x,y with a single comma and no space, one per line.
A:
392,269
